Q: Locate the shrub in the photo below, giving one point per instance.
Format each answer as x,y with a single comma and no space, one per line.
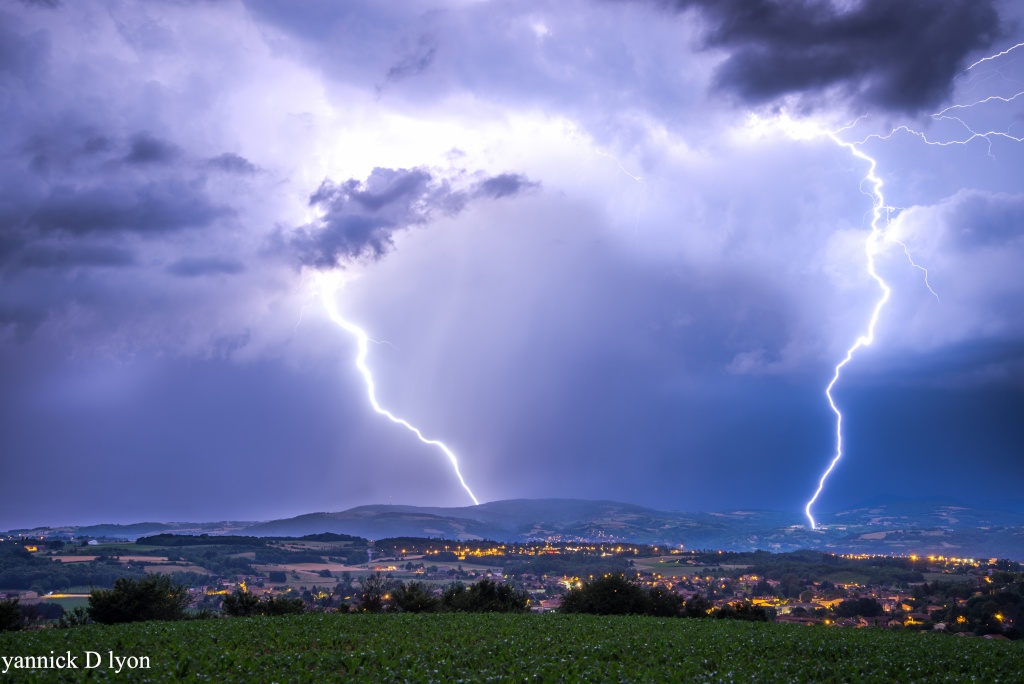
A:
243,604
486,596
281,606
76,617
744,611
11,619
154,597
415,597
698,607
613,594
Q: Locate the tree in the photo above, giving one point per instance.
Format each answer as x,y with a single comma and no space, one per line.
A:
665,602
485,596
244,604
745,610
280,605
241,604
867,607
415,597
11,619
612,594
698,607
154,597
375,593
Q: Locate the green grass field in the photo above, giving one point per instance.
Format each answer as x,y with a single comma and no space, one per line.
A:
507,648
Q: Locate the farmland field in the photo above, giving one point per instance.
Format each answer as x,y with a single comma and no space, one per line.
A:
495,647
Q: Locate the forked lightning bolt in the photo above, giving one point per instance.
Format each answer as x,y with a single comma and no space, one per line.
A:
327,293
873,243
871,247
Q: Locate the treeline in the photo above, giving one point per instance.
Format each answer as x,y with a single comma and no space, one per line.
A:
798,569
220,554
158,597
566,565
617,594
20,569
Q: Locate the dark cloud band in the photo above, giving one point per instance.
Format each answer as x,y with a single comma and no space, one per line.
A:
900,56
360,217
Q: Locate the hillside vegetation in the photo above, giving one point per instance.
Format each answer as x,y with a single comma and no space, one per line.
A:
517,647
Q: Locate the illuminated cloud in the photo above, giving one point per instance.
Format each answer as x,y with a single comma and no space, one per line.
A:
592,272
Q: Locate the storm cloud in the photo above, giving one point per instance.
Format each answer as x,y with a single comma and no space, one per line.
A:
607,250
360,218
899,56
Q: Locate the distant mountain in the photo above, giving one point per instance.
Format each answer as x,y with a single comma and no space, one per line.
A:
889,525
893,525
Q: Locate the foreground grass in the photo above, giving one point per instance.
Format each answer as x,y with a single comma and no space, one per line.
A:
497,648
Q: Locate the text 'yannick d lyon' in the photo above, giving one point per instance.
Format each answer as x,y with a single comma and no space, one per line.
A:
87,660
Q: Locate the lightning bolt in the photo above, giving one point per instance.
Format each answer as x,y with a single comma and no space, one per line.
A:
871,247
873,242
327,291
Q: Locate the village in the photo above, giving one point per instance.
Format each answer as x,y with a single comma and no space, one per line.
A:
936,593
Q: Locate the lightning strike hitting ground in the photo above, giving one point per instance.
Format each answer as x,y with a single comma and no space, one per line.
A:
327,294
873,246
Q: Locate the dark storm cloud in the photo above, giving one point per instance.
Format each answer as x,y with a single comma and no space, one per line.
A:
61,149
361,217
148,149
415,63
901,56
151,208
504,185
67,256
191,267
21,55
229,162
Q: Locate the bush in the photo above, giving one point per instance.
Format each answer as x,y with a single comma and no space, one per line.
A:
76,617
415,597
154,597
11,619
243,604
665,602
698,607
486,596
375,593
282,606
744,611
609,595
868,607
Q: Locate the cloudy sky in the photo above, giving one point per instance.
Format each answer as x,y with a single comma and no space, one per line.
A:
603,249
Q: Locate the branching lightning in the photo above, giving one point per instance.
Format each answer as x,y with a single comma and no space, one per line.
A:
871,247
327,291
873,244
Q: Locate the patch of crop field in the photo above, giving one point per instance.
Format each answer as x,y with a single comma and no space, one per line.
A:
847,578
169,568
316,567
946,577
505,648
694,571
120,558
